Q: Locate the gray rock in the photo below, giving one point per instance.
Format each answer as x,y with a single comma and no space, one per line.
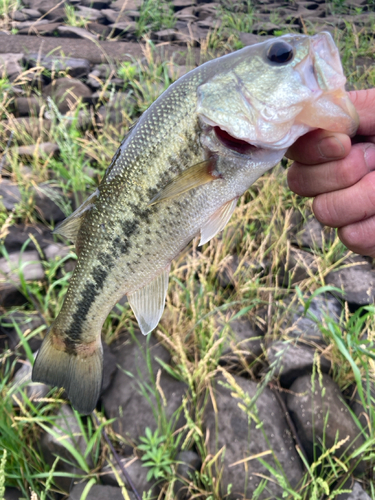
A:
98,492
27,105
166,35
188,463
55,252
265,27
96,4
357,283
10,335
312,234
18,234
9,194
43,27
251,39
75,67
113,16
10,296
291,361
90,14
305,327
66,429
124,401
320,415
18,15
109,367
181,4
175,71
125,5
137,473
27,262
67,92
11,64
357,493
229,427
13,494
75,32
298,266
31,13
124,28
36,127
22,384
43,149
48,201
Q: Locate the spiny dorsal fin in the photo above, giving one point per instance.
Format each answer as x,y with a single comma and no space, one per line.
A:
70,226
148,302
193,177
217,221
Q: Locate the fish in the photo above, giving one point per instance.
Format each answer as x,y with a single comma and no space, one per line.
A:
178,174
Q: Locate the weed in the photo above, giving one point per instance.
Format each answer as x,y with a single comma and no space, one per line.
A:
156,457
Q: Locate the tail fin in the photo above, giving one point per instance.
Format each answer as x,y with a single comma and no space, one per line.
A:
79,372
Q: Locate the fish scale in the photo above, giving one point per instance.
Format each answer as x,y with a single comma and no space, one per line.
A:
178,173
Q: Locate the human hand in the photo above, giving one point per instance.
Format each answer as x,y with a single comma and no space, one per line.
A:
340,174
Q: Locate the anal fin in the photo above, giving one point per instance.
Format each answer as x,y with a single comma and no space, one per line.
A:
217,221
148,302
191,178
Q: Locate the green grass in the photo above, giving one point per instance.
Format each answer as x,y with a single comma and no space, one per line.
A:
259,233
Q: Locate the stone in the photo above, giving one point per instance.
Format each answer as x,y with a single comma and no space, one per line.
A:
10,194
31,13
233,270
36,127
47,201
251,39
265,27
22,384
98,492
66,428
188,462
109,367
123,400
76,32
10,296
27,262
42,149
99,29
126,29
210,22
96,4
113,16
55,252
312,234
73,66
92,15
18,323
305,327
357,493
18,15
18,234
320,415
11,65
175,71
182,4
137,473
41,28
232,427
125,5
67,92
166,35
290,361
356,282
298,266
27,105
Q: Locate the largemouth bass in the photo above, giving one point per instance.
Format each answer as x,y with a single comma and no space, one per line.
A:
177,174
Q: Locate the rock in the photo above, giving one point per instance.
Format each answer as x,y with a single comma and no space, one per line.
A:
137,473
123,400
251,39
312,233
66,428
181,4
298,266
166,35
291,361
233,428
96,4
92,15
305,327
13,494
40,28
320,415
18,15
27,106
188,463
99,29
22,384
27,262
210,22
73,66
47,201
265,27
57,252
98,492
10,194
357,493
10,335
115,111
113,16
125,5
67,92
43,149
37,128
233,270
18,234
75,32
11,65
109,367
175,71
10,296
124,28
243,341
357,283
31,13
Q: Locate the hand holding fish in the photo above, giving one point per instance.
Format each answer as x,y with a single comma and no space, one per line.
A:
341,176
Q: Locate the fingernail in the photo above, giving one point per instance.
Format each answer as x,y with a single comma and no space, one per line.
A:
331,148
370,157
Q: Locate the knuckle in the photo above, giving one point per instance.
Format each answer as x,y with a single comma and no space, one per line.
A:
325,210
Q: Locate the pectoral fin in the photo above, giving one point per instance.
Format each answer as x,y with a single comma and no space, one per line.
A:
70,226
217,221
148,302
193,177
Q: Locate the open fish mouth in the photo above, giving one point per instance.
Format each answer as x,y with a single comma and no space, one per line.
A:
233,143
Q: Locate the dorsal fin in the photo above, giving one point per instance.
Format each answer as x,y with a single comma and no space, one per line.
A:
70,226
192,177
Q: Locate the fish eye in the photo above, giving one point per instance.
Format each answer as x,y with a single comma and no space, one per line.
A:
280,52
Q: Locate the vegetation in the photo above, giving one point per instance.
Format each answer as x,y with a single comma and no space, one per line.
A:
197,319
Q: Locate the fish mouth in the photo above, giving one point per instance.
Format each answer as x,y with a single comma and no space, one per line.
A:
233,143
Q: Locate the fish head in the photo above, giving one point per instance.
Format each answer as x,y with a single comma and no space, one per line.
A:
269,94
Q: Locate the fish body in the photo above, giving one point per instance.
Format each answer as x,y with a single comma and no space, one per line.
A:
178,174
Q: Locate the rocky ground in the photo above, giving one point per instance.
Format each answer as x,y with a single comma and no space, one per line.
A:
259,382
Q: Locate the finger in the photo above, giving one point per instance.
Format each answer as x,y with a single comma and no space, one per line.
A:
347,206
364,101
311,180
319,146
360,236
